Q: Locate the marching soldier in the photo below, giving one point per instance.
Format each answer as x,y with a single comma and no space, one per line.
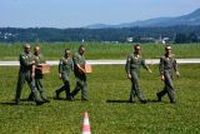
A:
26,74
167,64
39,59
80,74
133,64
65,65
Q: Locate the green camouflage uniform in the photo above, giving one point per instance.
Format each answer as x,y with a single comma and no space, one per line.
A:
25,75
133,65
166,66
39,59
65,65
81,78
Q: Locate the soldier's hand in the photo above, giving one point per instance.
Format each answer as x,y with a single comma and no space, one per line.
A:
177,74
162,77
60,76
81,70
33,75
33,62
84,71
150,71
129,76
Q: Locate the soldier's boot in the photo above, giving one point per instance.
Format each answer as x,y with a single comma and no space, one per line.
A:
57,94
31,97
74,92
141,97
172,101
132,96
67,92
39,102
159,98
144,101
84,96
131,99
17,101
69,97
37,98
46,100
84,99
44,97
72,98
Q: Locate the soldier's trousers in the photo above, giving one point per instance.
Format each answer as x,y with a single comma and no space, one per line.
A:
65,87
81,84
40,88
22,78
168,88
135,89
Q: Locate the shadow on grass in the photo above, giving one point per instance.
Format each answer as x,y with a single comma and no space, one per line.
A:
63,99
118,101
59,99
14,104
152,101
126,101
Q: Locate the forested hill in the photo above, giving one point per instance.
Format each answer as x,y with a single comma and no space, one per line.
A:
190,19
107,34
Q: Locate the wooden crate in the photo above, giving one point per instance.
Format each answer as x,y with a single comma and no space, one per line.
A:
43,68
88,68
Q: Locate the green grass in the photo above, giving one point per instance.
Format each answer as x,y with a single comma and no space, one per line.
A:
106,83
53,51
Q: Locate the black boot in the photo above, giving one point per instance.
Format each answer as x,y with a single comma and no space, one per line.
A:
57,95
159,97
38,103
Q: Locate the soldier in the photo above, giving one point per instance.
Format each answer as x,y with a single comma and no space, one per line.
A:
133,64
167,64
39,59
26,74
80,74
66,64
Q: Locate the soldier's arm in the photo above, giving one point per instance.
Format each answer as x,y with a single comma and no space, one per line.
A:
76,62
60,68
80,68
175,66
146,66
25,62
33,71
161,68
72,65
128,67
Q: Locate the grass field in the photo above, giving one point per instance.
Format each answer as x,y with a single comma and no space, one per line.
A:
53,51
108,110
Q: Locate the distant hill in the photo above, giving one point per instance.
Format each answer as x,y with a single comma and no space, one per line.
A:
191,19
138,34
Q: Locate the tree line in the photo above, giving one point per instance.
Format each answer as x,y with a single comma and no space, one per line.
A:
176,34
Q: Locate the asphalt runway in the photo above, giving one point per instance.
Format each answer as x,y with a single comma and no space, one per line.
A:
110,62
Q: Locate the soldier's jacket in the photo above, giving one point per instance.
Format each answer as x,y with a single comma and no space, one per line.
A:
25,61
39,59
78,59
167,64
65,65
134,63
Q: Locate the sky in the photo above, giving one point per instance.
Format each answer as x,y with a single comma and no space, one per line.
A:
80,13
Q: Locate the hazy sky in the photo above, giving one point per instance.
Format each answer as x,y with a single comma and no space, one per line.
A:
77,13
